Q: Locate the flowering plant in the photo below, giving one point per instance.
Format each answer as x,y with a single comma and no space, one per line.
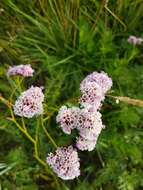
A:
85,118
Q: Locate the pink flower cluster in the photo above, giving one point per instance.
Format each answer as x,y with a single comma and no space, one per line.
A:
90,126
29,104
22,70
65,162
93,89
135,40
68,118
87,119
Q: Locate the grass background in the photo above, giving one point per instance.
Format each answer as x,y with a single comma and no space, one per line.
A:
64,41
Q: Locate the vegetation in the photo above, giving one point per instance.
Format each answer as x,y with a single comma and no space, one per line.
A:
64,41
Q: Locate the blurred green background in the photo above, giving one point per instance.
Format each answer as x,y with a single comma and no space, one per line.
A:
64,40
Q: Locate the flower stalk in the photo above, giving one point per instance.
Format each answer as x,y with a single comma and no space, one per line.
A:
47,134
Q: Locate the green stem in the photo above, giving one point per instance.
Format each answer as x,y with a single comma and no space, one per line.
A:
19,82
116,17
36,139
47,134
98,16
6,102
19,127
24,132
23,124
100,158
16,87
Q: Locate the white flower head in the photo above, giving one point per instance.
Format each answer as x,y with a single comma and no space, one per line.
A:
86,144
67,118
65,162
102,79
89,124
22,70
29,103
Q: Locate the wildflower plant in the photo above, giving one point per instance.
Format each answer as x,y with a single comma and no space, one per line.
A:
85,118
65,41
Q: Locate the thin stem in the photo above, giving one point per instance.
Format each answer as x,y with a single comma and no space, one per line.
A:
47,134
23,124
19,83
41,7
98,15
17,86
46,118
24,132
6,102
20,128
116,17
43,177
36,140
40,161
100,158
37,153
9,105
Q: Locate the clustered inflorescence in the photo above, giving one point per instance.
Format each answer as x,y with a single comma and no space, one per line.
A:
29,103
22,70
135,40
65,162
85,118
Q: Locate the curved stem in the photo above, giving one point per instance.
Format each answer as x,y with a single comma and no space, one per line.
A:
23,131
6,102
47,134
20,128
